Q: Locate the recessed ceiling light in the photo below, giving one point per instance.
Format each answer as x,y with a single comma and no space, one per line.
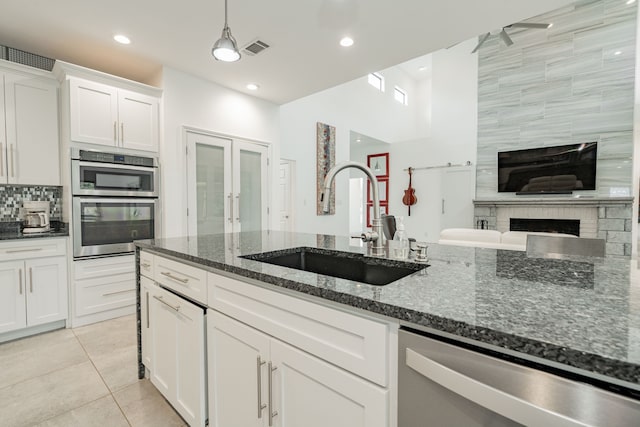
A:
121,38
346,41
618,52
631,1
252,86
423,68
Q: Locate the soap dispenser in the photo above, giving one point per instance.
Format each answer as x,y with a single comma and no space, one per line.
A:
400,247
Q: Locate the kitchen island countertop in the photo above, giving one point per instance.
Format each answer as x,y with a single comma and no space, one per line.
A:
580,314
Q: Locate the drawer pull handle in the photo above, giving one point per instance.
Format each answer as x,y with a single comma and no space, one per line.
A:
172,307
272,413
15,251
172,277
145,265
118,292
261,405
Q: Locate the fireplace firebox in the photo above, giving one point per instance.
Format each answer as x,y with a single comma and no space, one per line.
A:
565,226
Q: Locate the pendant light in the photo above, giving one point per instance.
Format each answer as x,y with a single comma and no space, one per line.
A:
226,48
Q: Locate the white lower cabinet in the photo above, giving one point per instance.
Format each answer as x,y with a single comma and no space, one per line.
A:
177,354
32,292
257,380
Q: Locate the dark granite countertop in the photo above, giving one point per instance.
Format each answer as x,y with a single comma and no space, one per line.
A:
580,314
12,231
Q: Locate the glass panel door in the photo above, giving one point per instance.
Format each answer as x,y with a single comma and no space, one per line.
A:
250,186
209,184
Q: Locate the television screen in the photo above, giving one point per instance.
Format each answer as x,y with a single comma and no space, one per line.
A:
559,169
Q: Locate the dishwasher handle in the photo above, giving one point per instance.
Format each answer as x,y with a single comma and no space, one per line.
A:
494,399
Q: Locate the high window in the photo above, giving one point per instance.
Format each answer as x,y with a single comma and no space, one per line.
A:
400,95
376,80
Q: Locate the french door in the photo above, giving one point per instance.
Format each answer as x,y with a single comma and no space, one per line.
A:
228,184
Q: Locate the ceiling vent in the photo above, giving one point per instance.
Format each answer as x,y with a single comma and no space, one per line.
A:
26,58
255,47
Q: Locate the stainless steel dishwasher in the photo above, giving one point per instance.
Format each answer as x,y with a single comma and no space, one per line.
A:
445,385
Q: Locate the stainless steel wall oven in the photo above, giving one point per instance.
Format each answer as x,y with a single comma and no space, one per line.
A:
115,201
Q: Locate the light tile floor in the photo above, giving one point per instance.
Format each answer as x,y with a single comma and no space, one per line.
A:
79,377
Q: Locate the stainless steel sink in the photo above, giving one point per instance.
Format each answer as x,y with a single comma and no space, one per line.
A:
345,265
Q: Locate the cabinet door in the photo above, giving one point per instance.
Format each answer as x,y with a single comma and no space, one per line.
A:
3,136
178,354
93,112
13,313
237,357
46,290
312,393
32,130
147,290
138,117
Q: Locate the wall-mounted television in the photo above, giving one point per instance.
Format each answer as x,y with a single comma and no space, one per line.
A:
553,170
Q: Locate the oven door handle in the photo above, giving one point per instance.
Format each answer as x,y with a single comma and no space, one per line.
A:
105,165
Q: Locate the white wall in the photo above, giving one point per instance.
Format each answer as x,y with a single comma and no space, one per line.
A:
351,106
191,101
439,127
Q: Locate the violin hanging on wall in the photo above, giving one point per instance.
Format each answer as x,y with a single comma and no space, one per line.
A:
409,197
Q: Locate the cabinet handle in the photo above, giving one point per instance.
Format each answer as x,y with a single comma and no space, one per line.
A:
12,167
117,292
261,406
30,280
20,279
238,213
230,207
172,307
172,277
13,251
443,206
145,265
1,159
115,132
272,413
122,133
147,298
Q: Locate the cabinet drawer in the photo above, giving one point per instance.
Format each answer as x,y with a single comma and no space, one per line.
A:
351,342
104,267
32,248
146,264
181,278
104,293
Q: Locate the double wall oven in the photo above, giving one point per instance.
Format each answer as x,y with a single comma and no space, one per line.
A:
115,201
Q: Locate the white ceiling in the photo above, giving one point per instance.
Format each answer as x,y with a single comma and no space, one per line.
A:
304,56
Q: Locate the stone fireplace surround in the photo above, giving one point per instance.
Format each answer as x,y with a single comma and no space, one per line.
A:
602,218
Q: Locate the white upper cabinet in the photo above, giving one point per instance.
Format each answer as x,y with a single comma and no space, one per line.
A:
106,115
29,148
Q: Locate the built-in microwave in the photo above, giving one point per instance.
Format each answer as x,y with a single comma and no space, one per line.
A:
96,173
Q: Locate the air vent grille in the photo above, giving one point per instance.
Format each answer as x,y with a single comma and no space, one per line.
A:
26,58
255,47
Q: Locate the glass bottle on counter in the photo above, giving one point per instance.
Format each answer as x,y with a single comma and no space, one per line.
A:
400,244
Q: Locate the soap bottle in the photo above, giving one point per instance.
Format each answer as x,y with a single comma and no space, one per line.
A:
400,241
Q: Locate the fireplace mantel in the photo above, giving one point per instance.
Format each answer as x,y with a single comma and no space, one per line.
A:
537,200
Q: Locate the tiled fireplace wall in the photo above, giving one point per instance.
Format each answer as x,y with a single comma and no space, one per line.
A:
12,196
602,219
571,83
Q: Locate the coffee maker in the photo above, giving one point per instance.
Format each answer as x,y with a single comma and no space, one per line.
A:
35,216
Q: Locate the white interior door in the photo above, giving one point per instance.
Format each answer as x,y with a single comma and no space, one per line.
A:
209,189
286,194
250,185
457,199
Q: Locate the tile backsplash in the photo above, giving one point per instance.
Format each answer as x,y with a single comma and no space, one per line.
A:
12,196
